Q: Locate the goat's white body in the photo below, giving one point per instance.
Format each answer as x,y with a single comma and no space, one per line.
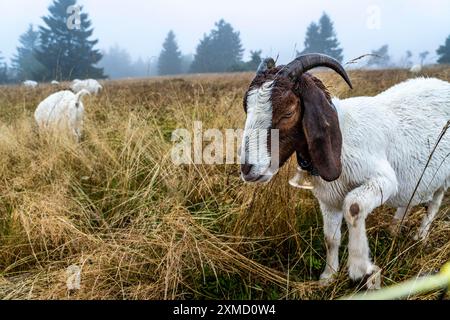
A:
387,142
417,68
30,84
63,110
90,85
399,128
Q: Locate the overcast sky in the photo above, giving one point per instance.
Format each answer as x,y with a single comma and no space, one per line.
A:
277,26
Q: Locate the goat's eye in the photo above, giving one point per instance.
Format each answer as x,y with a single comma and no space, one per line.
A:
289,114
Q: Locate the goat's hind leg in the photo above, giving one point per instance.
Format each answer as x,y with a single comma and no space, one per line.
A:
432,210
396,223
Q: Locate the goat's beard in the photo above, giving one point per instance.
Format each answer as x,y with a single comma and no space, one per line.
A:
266,175
271,171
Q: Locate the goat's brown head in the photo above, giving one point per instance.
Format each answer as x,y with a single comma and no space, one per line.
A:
298,105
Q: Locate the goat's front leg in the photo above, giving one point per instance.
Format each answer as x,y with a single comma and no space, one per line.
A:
357,206
332,222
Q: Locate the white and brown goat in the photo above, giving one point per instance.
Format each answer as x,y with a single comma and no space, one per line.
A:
363,152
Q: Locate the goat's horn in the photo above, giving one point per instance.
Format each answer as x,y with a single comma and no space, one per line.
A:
307,62
265,65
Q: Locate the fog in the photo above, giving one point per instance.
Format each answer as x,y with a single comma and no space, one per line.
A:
276,27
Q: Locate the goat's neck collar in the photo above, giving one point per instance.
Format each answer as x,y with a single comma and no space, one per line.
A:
306,165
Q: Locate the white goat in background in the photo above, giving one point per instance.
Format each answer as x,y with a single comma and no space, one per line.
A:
417,68
63,110
30,84
90,85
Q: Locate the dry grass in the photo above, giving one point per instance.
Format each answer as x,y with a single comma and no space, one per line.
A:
142,228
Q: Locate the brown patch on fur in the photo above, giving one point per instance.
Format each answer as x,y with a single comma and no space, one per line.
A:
354,209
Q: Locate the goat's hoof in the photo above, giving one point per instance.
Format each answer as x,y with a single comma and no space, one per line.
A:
420,236
326,279
325,282
373,281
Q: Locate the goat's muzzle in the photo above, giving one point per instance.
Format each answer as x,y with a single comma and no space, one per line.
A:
248,176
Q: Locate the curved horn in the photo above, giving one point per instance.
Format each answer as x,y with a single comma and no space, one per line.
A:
265,65
307,62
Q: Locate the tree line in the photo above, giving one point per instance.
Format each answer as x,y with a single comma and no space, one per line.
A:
59,51
221,51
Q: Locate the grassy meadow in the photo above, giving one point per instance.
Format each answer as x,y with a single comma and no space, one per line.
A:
141,228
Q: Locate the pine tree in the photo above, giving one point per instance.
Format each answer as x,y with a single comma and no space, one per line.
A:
203,59
218,51
66,51
312,40
444,52
321,38
3,70
24,62
170,58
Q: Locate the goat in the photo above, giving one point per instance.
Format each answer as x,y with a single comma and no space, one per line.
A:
362,152
90,85
417,68
30,84
55,83
63,109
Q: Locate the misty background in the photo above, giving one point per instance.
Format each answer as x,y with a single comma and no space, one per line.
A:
134,35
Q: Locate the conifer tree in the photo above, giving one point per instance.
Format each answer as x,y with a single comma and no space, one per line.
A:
66,50
170,58
444,52
218,51
24,62
321,38
3,70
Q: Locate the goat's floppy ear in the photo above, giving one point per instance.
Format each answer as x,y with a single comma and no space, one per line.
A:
321,128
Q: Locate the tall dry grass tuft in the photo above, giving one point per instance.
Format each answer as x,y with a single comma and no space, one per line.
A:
139,227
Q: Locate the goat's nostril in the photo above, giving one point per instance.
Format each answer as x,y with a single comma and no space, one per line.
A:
246,168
